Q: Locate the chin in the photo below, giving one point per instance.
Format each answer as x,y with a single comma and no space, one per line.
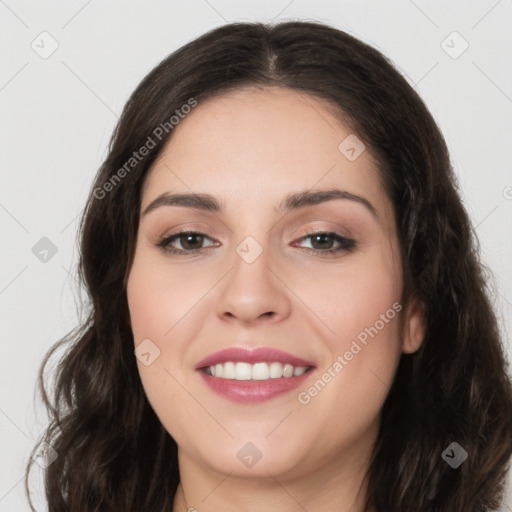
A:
254,459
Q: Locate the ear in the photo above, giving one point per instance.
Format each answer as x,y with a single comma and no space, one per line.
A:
413,327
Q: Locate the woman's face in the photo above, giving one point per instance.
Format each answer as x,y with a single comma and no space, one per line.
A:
257,283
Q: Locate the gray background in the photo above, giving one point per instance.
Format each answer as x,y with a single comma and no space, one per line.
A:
59,110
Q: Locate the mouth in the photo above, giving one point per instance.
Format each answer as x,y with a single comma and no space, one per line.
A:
258,371
242,375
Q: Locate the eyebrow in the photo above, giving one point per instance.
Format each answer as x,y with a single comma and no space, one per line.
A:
295,201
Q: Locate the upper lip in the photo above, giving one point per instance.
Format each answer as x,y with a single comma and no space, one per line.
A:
245,355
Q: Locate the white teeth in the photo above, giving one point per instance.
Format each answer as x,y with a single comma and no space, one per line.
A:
260,371
299,370
228,370
288,370
257,371
276,370
242,371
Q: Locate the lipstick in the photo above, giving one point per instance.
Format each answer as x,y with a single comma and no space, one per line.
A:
259,390
257,355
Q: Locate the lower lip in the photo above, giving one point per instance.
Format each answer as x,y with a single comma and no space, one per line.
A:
253,390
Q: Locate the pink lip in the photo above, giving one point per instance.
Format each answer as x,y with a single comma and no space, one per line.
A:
252,390
257,355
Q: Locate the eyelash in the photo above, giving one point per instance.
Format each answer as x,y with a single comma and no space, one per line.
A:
347,244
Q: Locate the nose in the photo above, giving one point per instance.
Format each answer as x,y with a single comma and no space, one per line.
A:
253,292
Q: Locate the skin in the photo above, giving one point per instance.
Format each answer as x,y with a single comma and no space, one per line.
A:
249,149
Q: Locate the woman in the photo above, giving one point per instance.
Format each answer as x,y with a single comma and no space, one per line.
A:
287,311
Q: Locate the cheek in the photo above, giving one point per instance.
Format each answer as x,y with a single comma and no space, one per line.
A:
360,311
155,304
167,305
354,297
160,297
149,306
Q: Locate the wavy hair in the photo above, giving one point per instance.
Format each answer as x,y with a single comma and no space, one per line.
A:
113,452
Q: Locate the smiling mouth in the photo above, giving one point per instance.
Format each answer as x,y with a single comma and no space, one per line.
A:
257,371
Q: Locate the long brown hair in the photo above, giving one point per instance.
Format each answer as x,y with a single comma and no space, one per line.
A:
114,454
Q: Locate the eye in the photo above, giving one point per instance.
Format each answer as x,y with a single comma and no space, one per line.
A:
191,242
323,240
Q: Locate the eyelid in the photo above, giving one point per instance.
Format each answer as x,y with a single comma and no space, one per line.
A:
334,227
314,231
200,230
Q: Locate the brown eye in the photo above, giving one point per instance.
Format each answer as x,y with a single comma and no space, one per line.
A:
322,242
190,242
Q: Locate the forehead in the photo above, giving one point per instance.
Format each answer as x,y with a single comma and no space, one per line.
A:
262,144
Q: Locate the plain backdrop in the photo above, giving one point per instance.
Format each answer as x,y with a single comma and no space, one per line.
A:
58,111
